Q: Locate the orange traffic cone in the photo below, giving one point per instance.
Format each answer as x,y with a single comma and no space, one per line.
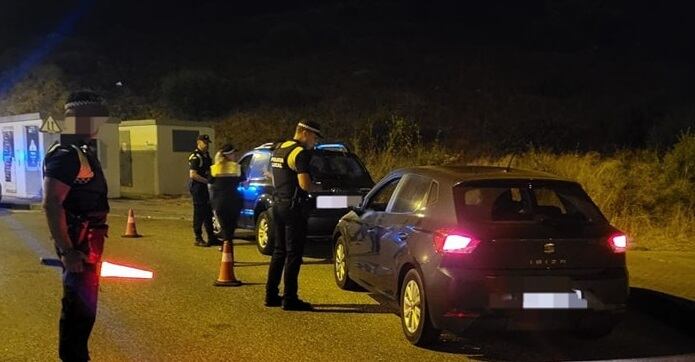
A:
130,230
227,278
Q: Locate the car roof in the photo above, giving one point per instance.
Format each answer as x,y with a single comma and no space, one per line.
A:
456,174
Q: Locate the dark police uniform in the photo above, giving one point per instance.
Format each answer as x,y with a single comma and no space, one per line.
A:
86,207
289,219
200,162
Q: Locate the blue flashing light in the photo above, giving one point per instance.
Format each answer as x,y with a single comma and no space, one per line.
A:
332,147
51,41
249,191
247,211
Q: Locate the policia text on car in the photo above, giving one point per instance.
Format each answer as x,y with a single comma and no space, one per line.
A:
76,206
290,167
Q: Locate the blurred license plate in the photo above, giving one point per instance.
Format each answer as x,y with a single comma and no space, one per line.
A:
555,301
337,202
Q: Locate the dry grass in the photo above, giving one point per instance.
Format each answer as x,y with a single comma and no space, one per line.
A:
648,195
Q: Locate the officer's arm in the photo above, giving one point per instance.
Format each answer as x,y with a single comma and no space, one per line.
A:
55,192
298,160
304,181
194,164
193,174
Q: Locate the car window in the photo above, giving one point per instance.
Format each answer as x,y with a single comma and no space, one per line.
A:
411,195
260,165
381,198
338,169
244,164
524,201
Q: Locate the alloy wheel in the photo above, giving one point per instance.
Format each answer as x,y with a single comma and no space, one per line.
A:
340,262
263,233
412,307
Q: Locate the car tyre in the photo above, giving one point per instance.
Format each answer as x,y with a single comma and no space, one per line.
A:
264,233
340,266
415,318
595,327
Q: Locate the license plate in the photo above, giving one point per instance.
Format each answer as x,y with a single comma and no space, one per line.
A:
555,300
337,202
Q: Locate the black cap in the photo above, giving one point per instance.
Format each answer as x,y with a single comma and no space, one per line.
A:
310,126
204,137
227,149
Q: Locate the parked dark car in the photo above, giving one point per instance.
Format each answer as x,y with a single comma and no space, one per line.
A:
463,248
343,179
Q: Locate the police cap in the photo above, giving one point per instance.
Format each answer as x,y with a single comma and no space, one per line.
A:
204,137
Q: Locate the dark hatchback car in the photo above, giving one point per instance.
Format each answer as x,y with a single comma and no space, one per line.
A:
343,181
470,248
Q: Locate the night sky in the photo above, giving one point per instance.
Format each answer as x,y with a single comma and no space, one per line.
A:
624,67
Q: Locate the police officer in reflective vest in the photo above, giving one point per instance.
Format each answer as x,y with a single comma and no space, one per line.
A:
76,206
199,163
290,167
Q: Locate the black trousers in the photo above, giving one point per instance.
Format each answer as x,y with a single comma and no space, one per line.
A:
227,205
202,211
289,225
80,294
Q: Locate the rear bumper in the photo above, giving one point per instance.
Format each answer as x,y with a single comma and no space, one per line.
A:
321,223
461,299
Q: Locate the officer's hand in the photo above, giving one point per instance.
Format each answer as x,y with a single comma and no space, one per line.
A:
73,261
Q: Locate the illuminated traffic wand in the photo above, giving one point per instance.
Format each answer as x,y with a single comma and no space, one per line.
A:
109,270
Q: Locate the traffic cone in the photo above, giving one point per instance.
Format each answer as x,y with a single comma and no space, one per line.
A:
130,230
227,278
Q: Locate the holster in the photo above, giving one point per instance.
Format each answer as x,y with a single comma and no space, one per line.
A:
87,235
300,202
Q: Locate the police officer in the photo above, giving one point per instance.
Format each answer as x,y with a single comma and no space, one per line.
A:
76,207
199,163
290,167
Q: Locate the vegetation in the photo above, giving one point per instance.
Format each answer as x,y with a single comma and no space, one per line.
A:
592,90
647,194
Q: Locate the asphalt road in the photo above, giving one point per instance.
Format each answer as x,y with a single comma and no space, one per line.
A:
180,316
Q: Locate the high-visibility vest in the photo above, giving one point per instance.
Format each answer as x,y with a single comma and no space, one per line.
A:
225,168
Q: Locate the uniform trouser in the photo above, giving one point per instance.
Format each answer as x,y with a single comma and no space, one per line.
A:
202,211
227,208
80,293
289,225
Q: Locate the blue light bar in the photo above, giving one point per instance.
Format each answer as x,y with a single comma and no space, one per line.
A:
333,147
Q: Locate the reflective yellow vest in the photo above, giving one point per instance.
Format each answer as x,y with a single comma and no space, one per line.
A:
225,168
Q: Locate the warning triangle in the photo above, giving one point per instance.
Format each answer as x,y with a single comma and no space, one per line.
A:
50,126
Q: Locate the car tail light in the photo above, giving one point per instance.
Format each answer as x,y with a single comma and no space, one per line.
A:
454,242
618,242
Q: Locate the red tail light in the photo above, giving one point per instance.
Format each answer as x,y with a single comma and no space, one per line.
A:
454,241
618,242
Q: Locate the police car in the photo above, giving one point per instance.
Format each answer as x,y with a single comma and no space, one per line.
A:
341,175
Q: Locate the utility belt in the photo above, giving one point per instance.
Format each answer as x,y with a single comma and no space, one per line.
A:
298,201
87,233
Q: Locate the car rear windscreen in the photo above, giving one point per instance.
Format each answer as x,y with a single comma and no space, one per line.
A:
339,169
524,201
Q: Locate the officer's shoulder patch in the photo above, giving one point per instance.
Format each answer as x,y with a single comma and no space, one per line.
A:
192,156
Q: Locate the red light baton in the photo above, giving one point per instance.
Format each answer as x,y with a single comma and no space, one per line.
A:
109,269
